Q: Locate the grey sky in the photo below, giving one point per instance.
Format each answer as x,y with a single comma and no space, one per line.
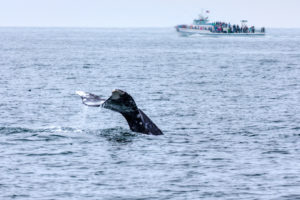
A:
146,13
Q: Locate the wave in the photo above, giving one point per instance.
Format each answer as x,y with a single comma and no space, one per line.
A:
16,130
117,134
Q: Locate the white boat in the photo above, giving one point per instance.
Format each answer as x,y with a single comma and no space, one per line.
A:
202,26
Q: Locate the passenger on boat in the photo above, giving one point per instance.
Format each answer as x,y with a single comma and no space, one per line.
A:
238,29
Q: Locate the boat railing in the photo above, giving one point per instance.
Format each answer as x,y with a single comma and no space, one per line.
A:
227,29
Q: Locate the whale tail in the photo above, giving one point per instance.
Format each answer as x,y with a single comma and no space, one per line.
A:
90,99
123,103
150,127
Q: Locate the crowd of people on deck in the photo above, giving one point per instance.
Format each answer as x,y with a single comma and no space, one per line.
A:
222,27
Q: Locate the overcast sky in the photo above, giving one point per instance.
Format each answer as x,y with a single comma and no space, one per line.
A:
146,13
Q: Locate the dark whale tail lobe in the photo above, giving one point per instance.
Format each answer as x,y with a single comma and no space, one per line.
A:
150,126
123,103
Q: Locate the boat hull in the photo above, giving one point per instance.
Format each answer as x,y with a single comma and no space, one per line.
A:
188,31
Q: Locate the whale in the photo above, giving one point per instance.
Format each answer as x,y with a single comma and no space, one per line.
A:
121,102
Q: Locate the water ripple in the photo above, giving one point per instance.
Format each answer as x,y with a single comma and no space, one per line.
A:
228,107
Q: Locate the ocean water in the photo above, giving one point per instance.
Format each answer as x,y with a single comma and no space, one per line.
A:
228,106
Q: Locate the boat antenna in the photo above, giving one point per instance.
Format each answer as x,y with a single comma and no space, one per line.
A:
204,15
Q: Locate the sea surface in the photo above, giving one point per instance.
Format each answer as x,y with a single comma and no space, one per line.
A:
229,108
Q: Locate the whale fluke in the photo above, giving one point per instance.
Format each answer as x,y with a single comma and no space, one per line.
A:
123,103
90,99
